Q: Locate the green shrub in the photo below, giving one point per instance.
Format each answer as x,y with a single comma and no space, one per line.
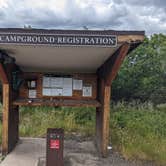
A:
139,132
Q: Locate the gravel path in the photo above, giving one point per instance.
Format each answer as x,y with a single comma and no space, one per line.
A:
83,153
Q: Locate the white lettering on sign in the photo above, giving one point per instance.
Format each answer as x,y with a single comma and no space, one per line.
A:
59,39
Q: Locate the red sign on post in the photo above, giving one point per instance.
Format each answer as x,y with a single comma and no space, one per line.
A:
54,144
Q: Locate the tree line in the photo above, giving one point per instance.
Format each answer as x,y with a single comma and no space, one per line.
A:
143,73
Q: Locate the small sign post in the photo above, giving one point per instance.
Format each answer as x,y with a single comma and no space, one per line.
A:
54,155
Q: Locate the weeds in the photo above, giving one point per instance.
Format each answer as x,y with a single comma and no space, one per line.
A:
138,131
35,121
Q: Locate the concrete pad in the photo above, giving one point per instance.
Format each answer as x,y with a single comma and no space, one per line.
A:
26,153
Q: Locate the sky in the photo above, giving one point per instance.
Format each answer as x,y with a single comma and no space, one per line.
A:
148,15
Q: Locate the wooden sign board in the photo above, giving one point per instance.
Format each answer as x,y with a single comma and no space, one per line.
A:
75,86
59,39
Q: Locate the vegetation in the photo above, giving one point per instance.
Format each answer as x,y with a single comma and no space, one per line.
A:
143,73
138,131
34,121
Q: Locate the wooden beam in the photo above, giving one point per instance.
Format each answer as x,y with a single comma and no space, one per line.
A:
103,118
106,74
10,122
10,112
6,108
110,68
122,53
57,102
131,38
3,76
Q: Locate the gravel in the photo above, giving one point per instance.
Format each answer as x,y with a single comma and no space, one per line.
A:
84,153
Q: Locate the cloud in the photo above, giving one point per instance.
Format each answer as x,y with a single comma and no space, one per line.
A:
157,3
148,15
3,3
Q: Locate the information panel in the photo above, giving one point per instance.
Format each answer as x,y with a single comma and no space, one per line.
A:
56,92
57,86
32,93
77,84
46,81
87,91
56,82
65,86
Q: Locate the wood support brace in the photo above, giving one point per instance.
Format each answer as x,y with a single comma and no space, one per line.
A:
110,68
106,74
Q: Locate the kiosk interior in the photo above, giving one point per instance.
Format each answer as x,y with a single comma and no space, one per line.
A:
60,68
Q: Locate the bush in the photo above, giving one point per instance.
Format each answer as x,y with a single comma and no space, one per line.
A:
139,132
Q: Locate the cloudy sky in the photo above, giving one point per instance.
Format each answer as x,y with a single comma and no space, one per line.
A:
148,15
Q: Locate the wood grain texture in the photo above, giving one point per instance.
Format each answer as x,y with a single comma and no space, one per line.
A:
106,74
57,102
10,114
117,63
5,123
106,120
103,118
3,75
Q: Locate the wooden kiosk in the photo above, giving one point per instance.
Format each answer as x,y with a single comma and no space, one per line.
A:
60,68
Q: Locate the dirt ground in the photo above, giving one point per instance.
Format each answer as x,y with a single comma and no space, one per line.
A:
84,153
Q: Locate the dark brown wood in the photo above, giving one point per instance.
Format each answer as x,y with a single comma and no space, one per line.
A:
3,76
103,117
10,114
123,52
13,134
107,73
55,146
109,69
89,32
57,102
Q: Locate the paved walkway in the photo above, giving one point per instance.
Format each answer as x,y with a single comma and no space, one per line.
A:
26,153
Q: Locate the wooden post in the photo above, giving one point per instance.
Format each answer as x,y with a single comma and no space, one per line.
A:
10,112
5,124
103,118
106,74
